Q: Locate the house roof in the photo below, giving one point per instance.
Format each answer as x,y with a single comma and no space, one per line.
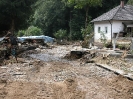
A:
117,13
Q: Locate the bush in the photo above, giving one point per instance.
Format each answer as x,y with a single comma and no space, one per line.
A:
103,38
108,45
33,31
87,35
61,34
123,46
87,30
21,33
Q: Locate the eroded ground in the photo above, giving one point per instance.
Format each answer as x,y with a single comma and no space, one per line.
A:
47,76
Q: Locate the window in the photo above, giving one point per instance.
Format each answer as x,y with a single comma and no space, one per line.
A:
99,29
106,29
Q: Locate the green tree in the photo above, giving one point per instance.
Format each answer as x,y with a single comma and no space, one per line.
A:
50,16
33,31
130,2
75,24
106,6
15,13
86,4
103,38
21,33
61,34
87,35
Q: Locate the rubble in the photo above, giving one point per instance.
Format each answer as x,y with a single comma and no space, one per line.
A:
47,73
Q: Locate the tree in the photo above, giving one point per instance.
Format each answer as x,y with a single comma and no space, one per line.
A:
76,21
21,33
15,13
106,6
85,4
130,2
87,35
61,34
50,16
33,31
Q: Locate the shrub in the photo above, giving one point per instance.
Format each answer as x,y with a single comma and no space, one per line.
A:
108,45
87,35
61,34
103,38
33,31
21,33
123,46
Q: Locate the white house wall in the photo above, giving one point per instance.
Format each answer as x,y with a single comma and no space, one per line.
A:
117,26
102,25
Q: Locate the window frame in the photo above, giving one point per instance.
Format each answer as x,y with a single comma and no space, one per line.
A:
106,29
99,29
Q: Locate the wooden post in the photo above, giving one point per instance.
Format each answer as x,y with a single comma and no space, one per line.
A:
114,41
131,46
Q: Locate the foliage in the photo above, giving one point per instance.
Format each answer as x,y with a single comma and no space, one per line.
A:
61,34
33,31
15,13
87,31
86,4
53,15
130,2
75,24
108,45
21,33
103,38
123,46
83,3
106,6
87,35
50,16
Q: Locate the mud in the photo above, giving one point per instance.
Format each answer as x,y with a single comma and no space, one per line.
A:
47,76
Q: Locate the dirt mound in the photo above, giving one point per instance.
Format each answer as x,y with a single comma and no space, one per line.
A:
27,90
67,90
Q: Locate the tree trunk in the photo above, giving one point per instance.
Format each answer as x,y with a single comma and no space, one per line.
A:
70,22
86,18
70,25
12,28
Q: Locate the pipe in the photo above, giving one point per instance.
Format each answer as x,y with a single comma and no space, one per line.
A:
111,30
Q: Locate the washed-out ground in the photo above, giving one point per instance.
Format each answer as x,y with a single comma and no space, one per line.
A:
46,74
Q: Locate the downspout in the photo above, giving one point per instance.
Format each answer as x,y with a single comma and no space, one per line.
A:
111,30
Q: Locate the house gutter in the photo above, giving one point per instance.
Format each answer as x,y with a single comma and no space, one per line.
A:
111,30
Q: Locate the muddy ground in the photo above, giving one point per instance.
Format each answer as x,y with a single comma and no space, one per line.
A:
46,74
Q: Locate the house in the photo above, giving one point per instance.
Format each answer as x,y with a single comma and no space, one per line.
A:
117,20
